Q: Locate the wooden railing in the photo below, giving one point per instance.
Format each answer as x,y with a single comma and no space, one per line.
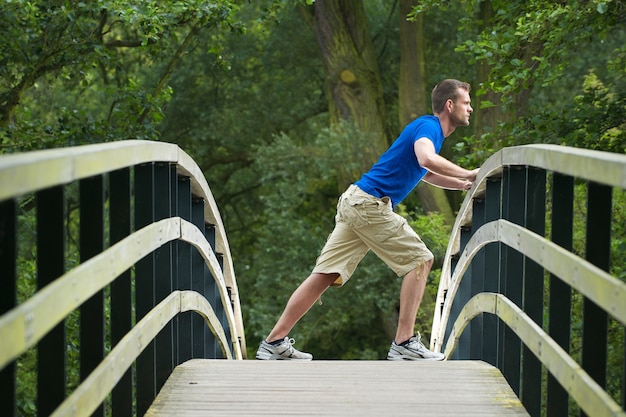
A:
152,248
499,265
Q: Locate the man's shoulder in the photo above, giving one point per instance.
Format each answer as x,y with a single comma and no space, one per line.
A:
426,127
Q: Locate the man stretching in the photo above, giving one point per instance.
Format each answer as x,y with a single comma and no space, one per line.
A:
366,221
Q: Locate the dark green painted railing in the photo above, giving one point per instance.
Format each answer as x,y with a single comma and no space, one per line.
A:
499,264
154,287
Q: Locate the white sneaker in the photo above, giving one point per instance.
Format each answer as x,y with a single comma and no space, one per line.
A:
283,351
412,351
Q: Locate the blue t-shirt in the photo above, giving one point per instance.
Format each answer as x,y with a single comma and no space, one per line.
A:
397,171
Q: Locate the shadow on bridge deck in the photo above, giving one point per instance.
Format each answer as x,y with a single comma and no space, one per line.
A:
335,388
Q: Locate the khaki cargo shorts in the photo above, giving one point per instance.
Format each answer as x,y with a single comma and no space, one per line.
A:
364,223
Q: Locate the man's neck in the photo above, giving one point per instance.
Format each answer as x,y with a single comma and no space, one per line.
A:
446,126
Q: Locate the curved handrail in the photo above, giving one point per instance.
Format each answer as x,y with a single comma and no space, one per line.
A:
94,389
601,167
51,305
591,281
37,170
587,393
41,169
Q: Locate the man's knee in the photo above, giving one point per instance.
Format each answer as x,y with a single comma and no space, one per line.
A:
324,278
429,263
423,269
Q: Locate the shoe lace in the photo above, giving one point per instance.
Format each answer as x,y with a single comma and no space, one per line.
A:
418,341
290,341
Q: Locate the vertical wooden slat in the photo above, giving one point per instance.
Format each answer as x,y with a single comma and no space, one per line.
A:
455,308
534,220
478,282
560,298
462,297
198,268
598,252
144,285
513,210
121,289
174,263
222,310
8,297
51,357
185,329
163,274
490,343
91,243
212,294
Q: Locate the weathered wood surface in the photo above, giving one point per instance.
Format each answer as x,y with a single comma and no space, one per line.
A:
335,388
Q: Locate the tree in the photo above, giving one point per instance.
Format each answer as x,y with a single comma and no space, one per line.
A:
354,87
98,52
412,97
540,57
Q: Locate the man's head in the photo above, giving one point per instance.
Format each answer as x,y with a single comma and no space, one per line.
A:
452,97
447,90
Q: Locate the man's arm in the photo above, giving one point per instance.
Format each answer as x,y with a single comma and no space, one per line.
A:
436,164
449,183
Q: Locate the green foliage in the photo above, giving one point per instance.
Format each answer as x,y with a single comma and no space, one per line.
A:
81,72
556,72
26,287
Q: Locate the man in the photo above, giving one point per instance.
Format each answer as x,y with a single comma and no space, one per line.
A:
365,221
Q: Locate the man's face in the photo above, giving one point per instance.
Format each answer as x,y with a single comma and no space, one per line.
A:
461,109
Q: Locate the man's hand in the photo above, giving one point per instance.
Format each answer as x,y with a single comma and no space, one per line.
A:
473,174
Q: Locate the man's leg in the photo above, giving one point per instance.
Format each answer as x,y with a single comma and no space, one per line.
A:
407,346
300,302
411,294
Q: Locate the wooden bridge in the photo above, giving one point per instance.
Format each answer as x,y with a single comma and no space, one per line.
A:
160,324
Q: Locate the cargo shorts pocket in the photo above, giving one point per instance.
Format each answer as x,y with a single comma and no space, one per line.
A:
351,210
392,227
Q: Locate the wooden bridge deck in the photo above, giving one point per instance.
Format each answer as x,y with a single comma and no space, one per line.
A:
335,388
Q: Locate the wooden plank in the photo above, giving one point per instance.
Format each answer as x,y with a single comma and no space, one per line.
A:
335,388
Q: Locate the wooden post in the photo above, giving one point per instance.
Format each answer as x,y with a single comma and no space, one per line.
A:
92,337
144,285
213,295
478,282
490,343
163,274
185,331
51,356
513,198
8,297
560,299
198,283
121,288
462,297
534,220
598,252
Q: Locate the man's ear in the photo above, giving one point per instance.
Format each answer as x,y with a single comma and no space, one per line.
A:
449,104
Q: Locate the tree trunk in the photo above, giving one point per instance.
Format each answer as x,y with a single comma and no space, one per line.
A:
413,97
485,120
412,84
353,81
